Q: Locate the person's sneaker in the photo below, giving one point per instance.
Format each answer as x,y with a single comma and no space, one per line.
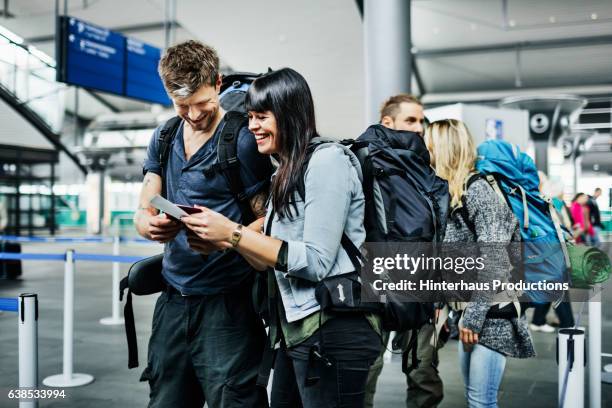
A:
544,328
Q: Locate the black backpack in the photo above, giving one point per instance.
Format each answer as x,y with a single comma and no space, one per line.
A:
144,276
405,200
396,315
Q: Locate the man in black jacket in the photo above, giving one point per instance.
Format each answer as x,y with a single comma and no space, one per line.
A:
595,215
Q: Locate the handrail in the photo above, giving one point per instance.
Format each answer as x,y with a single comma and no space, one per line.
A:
17,93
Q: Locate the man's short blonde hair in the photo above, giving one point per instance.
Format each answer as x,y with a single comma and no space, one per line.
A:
391,107
185,67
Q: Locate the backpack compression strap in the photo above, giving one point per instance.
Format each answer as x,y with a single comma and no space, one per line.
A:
228,164
130,326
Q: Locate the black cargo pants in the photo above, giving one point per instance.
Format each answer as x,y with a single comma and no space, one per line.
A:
204,349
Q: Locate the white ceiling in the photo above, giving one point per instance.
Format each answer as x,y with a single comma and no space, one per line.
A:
323,40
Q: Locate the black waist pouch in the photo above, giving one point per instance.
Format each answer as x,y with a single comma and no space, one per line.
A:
342,294
144,278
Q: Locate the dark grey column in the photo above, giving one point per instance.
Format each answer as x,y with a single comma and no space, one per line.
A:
387,51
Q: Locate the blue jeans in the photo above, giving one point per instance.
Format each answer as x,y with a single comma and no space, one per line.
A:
482,370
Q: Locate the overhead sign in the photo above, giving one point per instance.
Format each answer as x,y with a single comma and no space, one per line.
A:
97,58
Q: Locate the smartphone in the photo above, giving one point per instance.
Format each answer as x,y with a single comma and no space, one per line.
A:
189,210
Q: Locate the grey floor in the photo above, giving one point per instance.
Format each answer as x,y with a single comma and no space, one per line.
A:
101,350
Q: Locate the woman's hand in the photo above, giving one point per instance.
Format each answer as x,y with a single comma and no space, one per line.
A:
257,225
211,226
205,247
467,336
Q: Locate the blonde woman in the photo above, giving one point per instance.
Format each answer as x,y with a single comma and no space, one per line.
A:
488,334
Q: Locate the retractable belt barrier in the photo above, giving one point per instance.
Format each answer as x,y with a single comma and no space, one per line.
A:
63,240
67,378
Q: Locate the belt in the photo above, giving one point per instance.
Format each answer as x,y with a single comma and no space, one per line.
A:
172,291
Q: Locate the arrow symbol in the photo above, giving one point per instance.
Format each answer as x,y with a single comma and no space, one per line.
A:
341,292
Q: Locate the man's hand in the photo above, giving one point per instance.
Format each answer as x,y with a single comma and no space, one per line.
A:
162,228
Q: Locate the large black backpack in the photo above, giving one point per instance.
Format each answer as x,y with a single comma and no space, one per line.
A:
405,202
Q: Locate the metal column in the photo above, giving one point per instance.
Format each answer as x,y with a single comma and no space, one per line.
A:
387,51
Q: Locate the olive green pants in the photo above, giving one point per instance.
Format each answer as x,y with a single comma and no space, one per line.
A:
424,386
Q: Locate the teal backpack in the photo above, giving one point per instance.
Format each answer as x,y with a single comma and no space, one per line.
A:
513,175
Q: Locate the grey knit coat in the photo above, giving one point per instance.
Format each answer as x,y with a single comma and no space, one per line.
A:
493,222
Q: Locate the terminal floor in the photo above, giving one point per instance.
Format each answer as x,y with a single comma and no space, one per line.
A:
101,350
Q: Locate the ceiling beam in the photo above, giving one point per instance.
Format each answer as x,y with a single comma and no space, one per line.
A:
522,45
418,77
138,28
100,99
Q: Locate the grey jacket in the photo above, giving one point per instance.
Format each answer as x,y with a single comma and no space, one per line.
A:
493,222
334,204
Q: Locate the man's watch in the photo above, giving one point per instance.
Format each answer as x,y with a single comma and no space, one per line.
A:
236,235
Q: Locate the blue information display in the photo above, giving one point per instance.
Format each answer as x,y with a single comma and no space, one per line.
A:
97,58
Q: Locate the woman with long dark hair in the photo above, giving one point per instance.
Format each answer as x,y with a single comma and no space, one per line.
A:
316,197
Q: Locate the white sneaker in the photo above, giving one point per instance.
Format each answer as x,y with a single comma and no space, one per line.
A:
545,328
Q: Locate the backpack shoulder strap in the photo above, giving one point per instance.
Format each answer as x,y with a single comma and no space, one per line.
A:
312,147
228,164
463,211
166,137
559,231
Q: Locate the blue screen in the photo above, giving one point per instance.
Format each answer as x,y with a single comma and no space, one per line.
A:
97,58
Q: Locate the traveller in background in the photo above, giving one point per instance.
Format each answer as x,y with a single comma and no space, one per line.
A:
323,359
207,341
595,219
485,342
3,216
582,219
424,385
403,112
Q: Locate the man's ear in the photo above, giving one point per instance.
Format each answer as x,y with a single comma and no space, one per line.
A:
218,83
387,121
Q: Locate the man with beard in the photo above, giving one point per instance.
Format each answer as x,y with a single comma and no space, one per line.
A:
207,341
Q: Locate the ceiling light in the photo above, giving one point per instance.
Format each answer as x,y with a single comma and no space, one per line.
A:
593,16
512,23
552,19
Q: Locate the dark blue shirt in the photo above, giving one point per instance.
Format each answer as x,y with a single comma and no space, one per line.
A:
187,270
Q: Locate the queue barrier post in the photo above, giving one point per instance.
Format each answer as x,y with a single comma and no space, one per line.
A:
571,360
594,351
115,318
27,317
68,378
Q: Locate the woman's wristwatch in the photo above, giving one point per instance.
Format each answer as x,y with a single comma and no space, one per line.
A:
236,235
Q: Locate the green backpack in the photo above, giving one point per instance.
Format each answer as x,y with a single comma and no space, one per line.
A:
589,266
